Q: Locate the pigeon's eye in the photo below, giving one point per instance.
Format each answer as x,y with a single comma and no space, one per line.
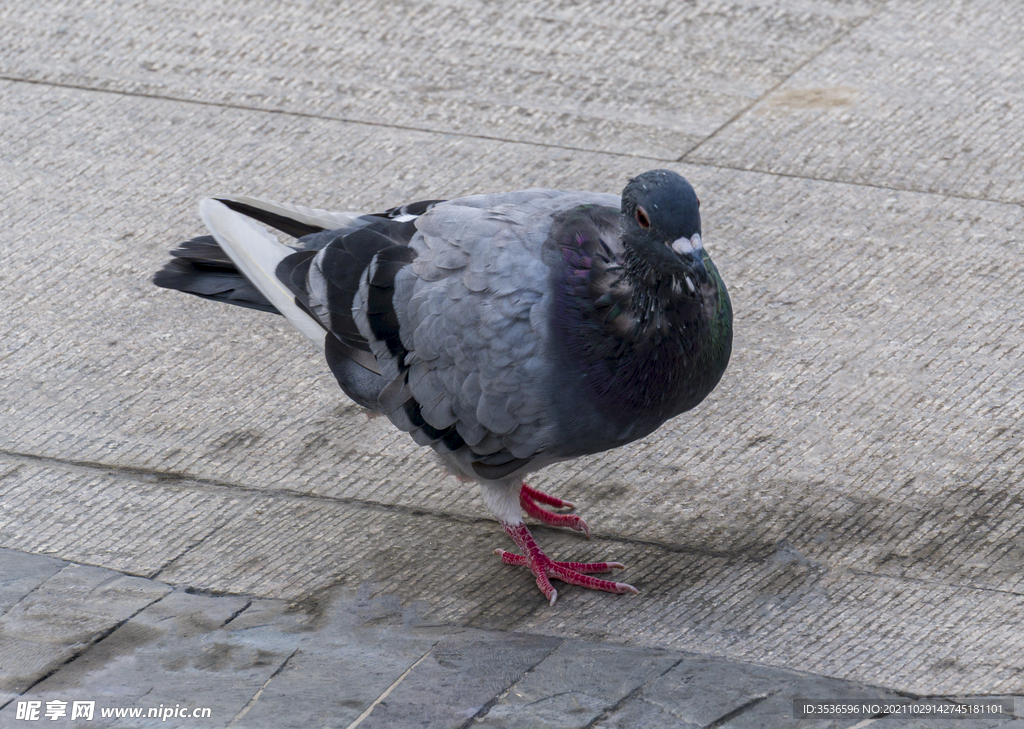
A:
642,219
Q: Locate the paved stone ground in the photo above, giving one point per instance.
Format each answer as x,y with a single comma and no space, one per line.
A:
78,633
846,505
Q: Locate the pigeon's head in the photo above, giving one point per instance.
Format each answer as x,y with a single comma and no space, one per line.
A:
661,226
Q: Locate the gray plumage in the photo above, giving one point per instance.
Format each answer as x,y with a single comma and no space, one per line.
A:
506,331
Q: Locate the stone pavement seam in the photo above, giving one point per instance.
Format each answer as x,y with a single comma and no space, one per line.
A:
742,709
920,581
30,592
486,708
387,692
799,67
181,479
684,159
234,615
610,711
855,183
327,117
187,552
255,697
85,648
166,477
185,480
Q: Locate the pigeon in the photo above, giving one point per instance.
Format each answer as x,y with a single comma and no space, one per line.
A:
507,331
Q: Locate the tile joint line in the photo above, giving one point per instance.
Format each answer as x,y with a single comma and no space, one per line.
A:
387,691
841,36
252,702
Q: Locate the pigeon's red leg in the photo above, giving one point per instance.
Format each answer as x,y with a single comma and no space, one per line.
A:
544,568
528,498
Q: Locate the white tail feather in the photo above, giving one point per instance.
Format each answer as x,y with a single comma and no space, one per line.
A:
310,216
256,252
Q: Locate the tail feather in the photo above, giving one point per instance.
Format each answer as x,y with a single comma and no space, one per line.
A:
203,249
245,264
294,220
200,267
256,252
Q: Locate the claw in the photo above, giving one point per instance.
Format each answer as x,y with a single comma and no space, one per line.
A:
544,568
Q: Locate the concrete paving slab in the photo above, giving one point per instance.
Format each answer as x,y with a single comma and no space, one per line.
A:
653,81
335,677
867,426
173,654
709,693
62,616
918,97
22,574
345,656
702,693
577,684
105,516
462,674
788,612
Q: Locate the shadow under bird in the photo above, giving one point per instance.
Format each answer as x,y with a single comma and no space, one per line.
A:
506,331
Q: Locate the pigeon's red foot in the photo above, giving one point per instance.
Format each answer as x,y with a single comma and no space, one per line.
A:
529,498
544,568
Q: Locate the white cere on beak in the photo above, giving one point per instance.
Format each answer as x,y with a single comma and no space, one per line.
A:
684,246
689,285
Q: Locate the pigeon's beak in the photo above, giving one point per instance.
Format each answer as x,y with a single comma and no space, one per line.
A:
691,250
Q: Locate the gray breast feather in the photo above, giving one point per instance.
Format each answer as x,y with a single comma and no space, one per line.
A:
473,311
